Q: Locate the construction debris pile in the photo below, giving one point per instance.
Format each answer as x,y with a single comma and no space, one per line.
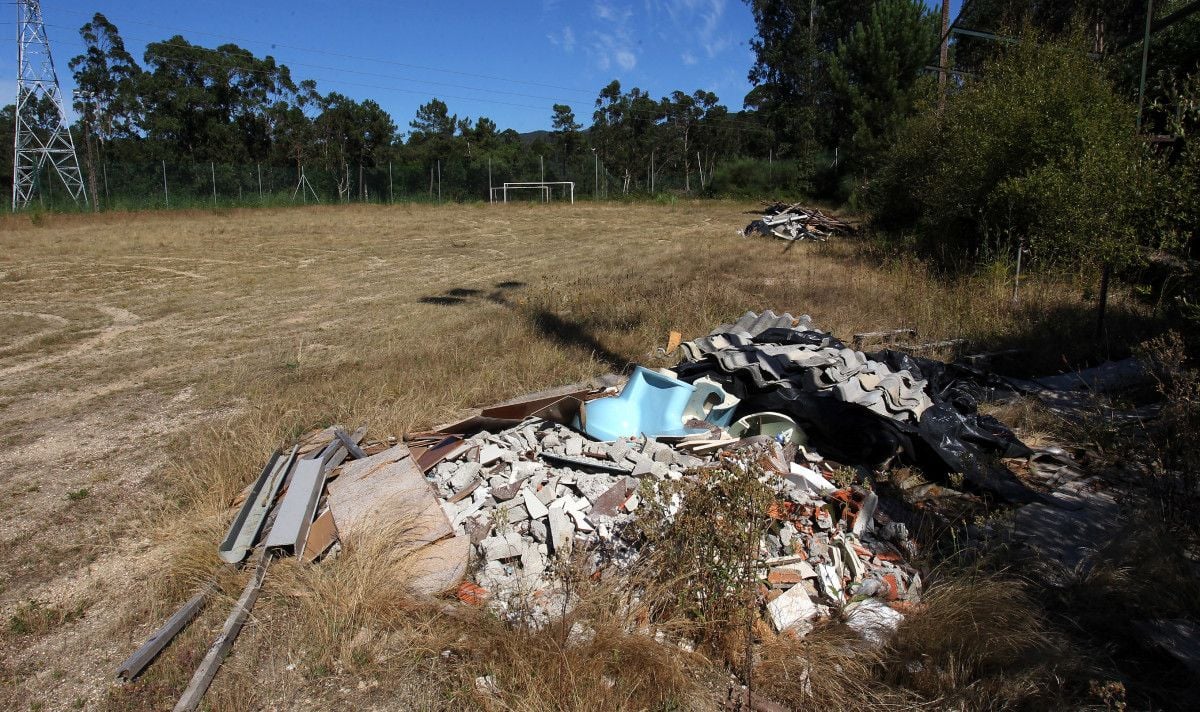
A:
539,490
482,507
796,222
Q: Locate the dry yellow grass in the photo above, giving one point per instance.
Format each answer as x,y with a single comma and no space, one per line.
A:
154,360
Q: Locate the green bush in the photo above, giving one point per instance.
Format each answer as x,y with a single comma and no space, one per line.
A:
756,178
1040,149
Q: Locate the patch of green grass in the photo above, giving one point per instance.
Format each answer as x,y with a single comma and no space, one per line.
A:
77,495
38,617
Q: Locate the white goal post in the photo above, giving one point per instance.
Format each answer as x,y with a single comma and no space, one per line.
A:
545,187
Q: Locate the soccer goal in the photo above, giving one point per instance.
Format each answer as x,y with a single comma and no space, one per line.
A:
546,190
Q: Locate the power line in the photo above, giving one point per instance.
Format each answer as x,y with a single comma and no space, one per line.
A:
342,55
728,121
736,123
290,63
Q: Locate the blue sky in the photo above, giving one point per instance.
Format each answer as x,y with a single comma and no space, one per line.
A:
506,60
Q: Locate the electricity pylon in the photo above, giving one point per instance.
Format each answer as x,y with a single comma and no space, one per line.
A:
40,139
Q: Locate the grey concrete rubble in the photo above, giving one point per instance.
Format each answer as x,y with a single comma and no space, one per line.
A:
538,490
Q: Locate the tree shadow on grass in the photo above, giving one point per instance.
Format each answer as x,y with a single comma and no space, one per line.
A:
548,325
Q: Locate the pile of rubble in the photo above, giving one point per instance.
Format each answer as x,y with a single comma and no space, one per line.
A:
796,222
539,489
482,507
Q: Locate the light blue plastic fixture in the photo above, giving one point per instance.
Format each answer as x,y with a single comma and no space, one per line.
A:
655,405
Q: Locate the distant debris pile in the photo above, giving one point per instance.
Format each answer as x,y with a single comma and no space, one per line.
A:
796,222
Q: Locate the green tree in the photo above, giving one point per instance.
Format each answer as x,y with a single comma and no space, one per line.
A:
876,73
351,135
683,113
566,134
791,51
106,76
210,104
1040,150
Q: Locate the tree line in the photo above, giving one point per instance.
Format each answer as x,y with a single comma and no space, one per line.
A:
834,82
185,103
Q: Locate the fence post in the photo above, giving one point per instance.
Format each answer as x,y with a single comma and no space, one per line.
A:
490,192
259,166
439,180
213,166
104,167
391,191
166,195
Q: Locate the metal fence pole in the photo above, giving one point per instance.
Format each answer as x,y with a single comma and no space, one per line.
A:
439,164
213,166
1145,62
259,166
104,167
166,195
391,190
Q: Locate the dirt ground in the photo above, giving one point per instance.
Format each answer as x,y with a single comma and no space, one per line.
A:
125,334
140,351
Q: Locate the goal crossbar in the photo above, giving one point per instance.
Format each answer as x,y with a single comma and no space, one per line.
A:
546,188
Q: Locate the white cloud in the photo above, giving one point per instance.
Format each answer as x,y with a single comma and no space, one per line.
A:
699,22
688,58
612,42
564,38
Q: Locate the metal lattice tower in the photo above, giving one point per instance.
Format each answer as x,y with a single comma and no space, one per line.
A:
36,143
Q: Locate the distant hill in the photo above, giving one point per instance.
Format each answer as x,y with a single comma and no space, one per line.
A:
531,136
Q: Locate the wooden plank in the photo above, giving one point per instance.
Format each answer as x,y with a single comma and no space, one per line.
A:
149,650
321,536
217,652
350,445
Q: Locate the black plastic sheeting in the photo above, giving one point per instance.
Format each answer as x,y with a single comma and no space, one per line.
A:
951,436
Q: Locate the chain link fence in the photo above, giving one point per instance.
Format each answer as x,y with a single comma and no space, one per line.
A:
163,184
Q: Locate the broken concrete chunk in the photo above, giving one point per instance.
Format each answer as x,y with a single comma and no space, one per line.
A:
573,447
593,486
794,609
513,510
508,491
526,469
464,475
562,530
549,491
489,454
663,454
533,505
581,522
618,450
864,521
507,546
533,562
539,530
874,620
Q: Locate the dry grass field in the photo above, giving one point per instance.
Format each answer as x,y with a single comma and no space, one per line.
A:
149,363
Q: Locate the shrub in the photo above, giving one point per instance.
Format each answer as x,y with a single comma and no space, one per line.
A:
749,177
1041,149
